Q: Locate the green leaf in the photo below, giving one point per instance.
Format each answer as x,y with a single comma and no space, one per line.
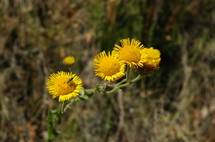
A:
85,97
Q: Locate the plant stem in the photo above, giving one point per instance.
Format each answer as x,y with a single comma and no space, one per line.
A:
90,92
126,76
124,85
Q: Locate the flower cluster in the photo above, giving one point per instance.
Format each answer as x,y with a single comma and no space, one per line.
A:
131,53
109,66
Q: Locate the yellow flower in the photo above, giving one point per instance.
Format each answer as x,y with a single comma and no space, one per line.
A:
165,118
69,60
64,85
131,53
108,67
152,61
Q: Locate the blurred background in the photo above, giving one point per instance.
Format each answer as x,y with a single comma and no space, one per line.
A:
174,104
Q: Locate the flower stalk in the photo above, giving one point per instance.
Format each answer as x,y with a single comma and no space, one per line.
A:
116,87
124,85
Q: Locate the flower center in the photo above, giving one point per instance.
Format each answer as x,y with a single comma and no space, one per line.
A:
64,88
130,54
109,66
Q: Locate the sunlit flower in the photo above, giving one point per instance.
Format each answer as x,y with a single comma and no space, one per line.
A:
69,60
152,61
131,52
64,85
108,67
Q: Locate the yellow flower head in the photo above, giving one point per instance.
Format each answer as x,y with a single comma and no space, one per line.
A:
64,85
108,67
152,61
69,60
131,53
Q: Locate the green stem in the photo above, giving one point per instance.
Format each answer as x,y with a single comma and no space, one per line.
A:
61,107
69,68
90,91
126,76
124,85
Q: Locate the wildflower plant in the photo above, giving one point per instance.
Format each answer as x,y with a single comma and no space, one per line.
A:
110,66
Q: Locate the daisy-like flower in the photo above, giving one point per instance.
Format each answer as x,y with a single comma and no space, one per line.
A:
152,61
64,85
69,60
131,52
108,66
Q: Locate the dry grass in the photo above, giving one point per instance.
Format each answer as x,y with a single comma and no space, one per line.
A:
174,104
